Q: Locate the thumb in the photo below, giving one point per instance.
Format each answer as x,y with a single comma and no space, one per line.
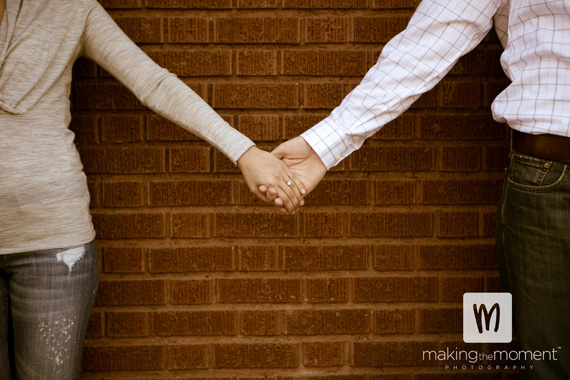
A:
279,152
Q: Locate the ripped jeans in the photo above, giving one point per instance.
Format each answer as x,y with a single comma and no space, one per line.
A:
45,304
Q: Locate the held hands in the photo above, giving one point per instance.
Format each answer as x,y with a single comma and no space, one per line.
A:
302,161
260,168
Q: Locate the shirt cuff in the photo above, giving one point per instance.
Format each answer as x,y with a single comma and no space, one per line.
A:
327,140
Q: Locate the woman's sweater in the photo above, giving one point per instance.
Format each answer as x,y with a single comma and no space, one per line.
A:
44,202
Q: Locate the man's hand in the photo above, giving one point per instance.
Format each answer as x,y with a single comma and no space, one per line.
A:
260,168
303,162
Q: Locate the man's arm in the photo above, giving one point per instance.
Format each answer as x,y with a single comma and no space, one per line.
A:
412,63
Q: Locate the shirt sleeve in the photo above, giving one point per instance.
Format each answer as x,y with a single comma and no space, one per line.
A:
413,62
161,91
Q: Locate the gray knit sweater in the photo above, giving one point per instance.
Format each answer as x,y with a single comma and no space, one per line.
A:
44,201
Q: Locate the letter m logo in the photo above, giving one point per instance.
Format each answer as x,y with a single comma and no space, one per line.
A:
483,311
478,312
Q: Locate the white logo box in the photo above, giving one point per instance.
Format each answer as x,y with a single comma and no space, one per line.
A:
485,312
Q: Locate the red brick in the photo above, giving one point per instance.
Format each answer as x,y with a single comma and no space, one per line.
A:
222,164
324,63
128,160
95,196
85,129
190,292
266,355
496,158
462,192
457,224
378,29
195,259
401,128
395,289
392,158
323,224
475,256
390,224
325,258
323,95
260,127
255,225
129,226
142,29
121,4
453,288
95,326
460,94
395,192
340,192
326,30
265,30
459,127
258,258
122,358
391,354
256,62
391,4
261,323
488,225
493,89
398,376
189,225
84,68
161,129
259,291
192,159
255,96
481,61
257,4
323,354
465,376
190,193
393,257
342,4
493,285
189,4
327,290
294,125
191,63
188,30
123,260
327,322
127,324
130,293
182,357
439,321
462,159
393,321
122,194
121,128
193,323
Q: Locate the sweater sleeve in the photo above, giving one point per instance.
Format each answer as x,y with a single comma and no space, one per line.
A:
161,91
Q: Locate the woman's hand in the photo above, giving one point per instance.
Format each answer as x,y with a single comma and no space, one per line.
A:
262,168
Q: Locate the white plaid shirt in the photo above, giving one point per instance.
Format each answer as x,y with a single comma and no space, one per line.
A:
535,35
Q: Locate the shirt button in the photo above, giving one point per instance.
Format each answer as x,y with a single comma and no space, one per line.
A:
337,158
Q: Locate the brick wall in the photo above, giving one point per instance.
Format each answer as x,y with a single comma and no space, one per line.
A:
201,280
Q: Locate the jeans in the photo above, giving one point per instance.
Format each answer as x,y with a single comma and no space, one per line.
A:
533,241
45,303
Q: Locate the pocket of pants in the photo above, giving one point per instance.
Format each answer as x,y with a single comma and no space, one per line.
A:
533,174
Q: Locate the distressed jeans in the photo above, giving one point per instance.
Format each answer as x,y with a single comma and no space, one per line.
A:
45,303
533,241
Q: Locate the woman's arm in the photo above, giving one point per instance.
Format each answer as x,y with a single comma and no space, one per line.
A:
107,45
